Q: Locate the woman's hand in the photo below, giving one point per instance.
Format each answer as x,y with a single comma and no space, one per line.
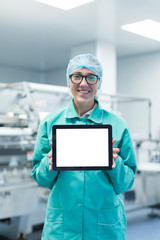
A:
50,158
115,150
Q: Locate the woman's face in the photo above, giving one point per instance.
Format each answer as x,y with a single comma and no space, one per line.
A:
83,92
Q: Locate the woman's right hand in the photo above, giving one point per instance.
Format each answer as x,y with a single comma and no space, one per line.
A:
115,151
50,158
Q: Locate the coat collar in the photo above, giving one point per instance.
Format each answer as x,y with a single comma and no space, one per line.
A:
96,116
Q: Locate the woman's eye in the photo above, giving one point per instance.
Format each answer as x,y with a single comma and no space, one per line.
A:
77,77
92,78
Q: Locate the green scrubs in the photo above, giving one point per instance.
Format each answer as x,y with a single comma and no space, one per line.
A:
85,205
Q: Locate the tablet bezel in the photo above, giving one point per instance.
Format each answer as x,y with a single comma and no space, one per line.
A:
110,158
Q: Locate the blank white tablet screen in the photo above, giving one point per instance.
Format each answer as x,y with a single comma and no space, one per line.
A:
82,147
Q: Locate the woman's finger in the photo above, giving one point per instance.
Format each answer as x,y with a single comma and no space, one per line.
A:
115,156
50,165
114,164
49,155
50,158
114,142
115,150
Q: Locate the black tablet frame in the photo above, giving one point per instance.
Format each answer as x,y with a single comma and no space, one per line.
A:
110,157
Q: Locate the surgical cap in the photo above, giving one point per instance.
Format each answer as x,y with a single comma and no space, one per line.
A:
85,61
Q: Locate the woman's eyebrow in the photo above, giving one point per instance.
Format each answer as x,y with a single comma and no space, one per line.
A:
77,73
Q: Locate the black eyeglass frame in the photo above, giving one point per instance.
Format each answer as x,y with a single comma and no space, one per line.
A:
70,76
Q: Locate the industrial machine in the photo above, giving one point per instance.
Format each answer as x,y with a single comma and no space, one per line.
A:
137,112
22,106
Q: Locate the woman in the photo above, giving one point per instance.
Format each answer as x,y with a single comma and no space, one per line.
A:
85,204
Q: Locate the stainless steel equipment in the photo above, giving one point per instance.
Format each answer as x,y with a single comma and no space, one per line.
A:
146,189
137,111
22,106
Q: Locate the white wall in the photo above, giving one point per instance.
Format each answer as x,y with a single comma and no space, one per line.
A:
11,74
57,77
140,76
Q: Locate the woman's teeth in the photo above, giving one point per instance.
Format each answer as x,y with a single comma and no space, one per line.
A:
85,92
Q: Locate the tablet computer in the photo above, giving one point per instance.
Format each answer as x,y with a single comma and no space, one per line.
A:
82,147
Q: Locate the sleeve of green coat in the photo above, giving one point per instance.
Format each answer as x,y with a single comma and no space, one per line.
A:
122,176
40,171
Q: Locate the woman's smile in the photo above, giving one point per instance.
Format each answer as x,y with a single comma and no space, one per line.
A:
83,91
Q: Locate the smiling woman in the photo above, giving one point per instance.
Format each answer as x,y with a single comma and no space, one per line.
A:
83,92
85,205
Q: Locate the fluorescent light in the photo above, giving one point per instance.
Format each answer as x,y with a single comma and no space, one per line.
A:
65,4
146,28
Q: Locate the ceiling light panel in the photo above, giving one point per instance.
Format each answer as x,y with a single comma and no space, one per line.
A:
146,28
65,4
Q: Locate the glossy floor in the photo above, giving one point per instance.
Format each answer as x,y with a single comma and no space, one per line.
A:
143,224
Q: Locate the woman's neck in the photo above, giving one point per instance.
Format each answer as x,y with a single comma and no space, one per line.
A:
82,108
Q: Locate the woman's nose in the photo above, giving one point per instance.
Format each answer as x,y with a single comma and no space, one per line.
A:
84,82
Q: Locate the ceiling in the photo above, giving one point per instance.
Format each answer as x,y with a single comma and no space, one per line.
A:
39,37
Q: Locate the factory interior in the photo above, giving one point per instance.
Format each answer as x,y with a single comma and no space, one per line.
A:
37,41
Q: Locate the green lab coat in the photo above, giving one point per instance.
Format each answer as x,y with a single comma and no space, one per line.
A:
85,205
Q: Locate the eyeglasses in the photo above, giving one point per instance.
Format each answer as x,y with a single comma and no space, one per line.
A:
90,79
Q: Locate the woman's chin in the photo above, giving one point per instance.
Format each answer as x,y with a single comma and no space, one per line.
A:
84,99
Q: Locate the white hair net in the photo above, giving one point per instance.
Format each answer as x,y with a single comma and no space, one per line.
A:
84,61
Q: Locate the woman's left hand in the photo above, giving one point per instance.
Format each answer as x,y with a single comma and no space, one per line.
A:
50,158
115,150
